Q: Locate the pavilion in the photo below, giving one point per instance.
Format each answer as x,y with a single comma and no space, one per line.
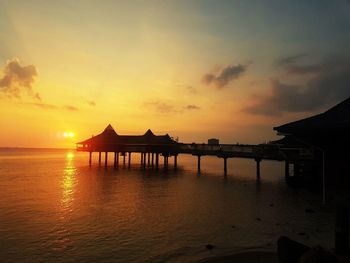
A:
146,144
327,135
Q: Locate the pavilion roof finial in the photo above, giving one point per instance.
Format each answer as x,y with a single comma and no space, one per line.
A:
109,128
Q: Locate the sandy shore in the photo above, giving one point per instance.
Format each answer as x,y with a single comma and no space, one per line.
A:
244,257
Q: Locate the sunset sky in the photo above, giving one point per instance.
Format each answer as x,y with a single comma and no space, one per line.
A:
194,69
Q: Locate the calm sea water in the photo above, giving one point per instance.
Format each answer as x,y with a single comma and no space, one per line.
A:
55,208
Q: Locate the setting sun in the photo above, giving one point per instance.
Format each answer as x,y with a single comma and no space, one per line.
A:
68,134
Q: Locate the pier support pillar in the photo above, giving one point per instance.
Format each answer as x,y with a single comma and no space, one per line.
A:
141,161
199,164
165,162
124,158
175,161
258,160
106,158
286,169
148,159
144,160
152,162
129,160
116,159
90,157
99,158
225,166
157,160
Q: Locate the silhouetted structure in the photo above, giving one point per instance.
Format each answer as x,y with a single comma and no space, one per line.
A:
326,136
151,147
148,144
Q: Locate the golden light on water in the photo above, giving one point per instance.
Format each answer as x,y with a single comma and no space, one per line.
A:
68,181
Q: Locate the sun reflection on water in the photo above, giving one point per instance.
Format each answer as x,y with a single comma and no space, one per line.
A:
68,181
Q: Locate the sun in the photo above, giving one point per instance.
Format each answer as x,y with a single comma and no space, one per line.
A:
69,134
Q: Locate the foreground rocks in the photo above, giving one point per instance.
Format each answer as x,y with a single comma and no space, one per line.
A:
290,251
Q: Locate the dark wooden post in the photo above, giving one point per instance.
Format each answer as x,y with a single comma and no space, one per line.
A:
225,166
144,160
157,160
165,162
152,159
90,156
175,161
99,158
129,160
258,160
199,164
148,159
116,159
124,158
106,158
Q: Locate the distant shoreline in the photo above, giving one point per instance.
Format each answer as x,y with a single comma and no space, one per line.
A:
33,148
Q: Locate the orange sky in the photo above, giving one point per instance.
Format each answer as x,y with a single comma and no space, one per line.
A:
193,69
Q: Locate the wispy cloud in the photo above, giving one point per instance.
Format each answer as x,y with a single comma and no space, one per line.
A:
160,106
191,107
191,90
328,83
91,103
48,106
225,76
17,79
70,108
168,107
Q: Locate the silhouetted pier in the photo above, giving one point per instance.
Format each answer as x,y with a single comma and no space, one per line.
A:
151,148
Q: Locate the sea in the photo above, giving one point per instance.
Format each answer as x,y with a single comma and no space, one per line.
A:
54,207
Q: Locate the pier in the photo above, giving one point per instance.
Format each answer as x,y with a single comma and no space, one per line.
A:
151,148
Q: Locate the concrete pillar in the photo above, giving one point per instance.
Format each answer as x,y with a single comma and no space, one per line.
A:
199,164
99,158
157,160
258,168
90,156
225,166
129,160
175,161
106,158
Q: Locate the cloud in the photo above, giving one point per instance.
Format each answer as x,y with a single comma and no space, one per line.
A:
161,107
17,78
191,89
328,83
47,106
168,107
70,108
295,65
191,107
224,77
91,103
44,106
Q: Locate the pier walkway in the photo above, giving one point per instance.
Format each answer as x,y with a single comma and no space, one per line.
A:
151,147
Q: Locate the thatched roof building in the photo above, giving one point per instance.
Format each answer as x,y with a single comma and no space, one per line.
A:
109,140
